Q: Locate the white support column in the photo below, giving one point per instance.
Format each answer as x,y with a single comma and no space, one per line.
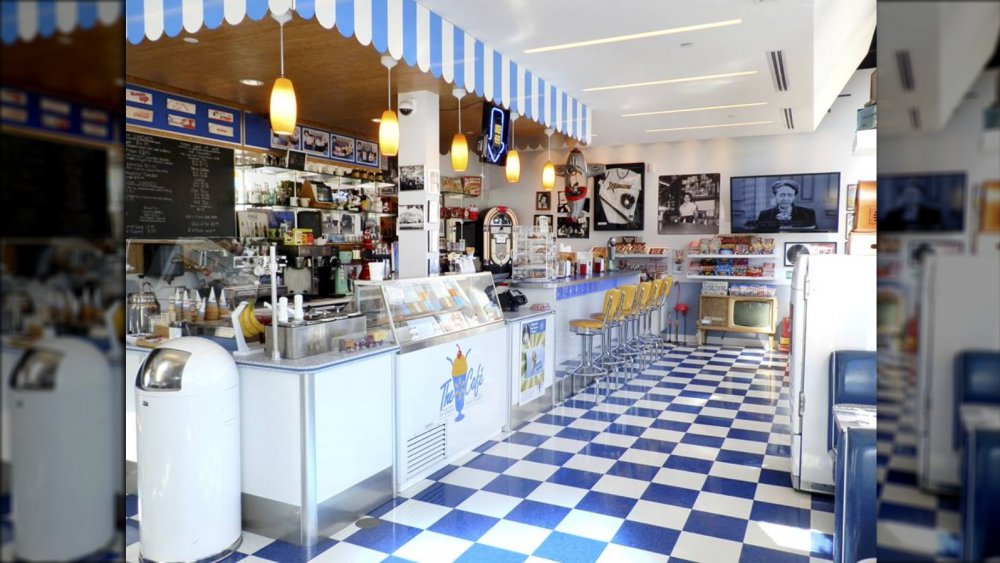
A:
418,145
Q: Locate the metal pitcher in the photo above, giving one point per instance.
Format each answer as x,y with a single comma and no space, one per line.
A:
140,309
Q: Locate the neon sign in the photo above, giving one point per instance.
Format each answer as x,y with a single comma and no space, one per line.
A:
495,146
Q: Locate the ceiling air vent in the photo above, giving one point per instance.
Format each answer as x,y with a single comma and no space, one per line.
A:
915,118
789,119
905,70
776,61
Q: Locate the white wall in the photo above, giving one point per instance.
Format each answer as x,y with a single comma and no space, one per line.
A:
829,149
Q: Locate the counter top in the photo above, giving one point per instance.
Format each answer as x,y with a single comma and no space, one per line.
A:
572,280
524,313
318,362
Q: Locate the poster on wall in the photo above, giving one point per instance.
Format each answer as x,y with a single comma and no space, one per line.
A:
532,361
315,142
618,198
367,154
411,217
688,204
451,185
341,147
284,142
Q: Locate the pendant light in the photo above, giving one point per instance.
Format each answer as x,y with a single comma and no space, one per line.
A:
549,172
459,146
513,168
388,128
284,108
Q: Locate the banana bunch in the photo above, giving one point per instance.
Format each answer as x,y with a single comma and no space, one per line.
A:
249,324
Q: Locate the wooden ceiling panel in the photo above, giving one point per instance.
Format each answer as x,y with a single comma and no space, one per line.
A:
339,83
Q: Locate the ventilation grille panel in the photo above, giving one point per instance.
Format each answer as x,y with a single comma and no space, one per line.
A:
426,449
905,71
776,62
789,118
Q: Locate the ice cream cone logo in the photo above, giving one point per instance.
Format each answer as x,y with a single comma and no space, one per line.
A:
459,374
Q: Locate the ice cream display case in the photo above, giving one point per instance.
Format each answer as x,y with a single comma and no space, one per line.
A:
451,373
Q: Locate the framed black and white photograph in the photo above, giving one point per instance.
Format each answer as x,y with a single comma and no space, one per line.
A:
688,204
567,227
794,249
919,249
341,147
618,198
543,201
366,154
411,217
350,224
411,178
315,142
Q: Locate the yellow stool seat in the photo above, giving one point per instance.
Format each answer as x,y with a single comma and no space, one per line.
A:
592,324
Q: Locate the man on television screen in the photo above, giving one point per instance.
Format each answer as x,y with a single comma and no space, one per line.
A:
785,214
911,214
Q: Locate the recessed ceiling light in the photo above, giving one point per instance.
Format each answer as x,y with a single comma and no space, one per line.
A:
672,81
191,40
632,36
706,108
376,120
709,126
251,82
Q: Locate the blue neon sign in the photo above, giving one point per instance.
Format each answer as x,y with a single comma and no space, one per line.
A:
496,148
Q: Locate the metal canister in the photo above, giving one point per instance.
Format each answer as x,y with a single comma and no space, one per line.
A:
140,309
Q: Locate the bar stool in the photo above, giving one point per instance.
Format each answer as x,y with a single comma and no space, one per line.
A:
646,339
634,346
663,286
588,329
620,351
607,358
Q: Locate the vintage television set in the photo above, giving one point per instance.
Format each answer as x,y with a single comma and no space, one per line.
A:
738,313
754,205
494,139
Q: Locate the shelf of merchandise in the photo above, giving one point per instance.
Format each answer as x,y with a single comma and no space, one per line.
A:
741,278
730,256
243,206
640,256
339,180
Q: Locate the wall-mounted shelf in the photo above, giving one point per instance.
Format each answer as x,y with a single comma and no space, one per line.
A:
742,278
640,256
764,256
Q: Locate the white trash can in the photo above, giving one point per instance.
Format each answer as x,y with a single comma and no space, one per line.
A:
62,451
188,448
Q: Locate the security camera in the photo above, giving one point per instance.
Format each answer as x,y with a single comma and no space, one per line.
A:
406,107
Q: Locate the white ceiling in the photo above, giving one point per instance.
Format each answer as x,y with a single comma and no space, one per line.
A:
823,42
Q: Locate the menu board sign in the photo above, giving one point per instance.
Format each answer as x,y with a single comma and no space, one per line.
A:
53,189
177,189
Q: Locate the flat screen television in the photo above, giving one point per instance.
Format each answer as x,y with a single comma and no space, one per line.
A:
785,203
494,141
933,202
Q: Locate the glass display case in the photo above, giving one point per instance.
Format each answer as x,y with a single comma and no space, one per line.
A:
420,309
534,253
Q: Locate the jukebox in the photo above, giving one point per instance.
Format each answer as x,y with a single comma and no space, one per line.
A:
496,245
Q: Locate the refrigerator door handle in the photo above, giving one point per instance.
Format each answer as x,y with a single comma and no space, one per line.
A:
802,403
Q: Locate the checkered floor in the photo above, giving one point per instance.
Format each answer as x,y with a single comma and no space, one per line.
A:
688,460
913,525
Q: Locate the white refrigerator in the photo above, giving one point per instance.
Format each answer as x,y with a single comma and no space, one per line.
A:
959,310
832,308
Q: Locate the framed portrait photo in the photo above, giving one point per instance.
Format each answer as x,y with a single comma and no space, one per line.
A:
543,201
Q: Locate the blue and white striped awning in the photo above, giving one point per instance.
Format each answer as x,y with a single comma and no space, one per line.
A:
25,20
404,29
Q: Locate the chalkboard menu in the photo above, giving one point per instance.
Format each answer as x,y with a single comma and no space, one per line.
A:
53,189
177,189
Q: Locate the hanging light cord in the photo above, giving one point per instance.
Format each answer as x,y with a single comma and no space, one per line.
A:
281,31
459,115
389,70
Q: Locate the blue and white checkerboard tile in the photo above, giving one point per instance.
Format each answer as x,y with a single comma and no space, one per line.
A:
913,525
689,460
